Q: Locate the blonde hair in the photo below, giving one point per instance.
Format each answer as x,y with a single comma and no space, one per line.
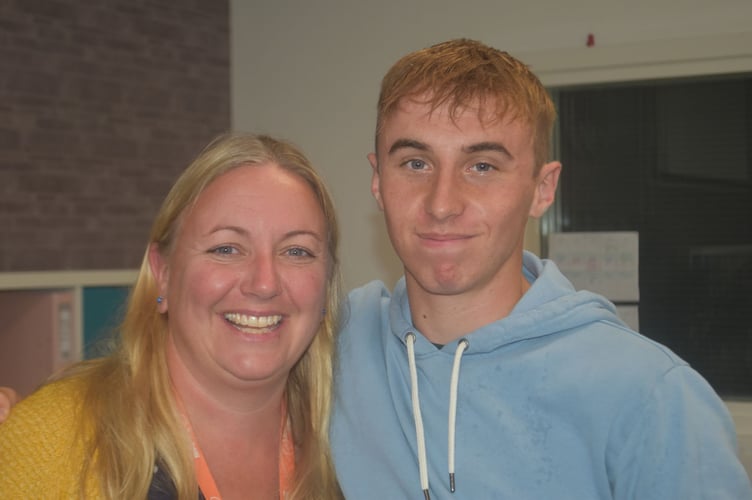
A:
462,73
129,401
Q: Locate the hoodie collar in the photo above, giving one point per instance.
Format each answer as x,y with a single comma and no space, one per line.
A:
550,305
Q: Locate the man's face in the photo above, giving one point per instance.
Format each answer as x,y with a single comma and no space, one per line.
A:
457,195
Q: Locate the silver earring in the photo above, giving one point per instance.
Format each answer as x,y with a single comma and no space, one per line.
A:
160,299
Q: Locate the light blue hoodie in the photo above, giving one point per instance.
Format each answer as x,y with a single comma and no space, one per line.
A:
559,400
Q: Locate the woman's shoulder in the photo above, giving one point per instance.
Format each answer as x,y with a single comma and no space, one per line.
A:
40,442
50,411
54,397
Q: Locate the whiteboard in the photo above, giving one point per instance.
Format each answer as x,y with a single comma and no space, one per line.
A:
601,262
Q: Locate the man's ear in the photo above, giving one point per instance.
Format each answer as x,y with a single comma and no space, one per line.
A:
161,272
545,189
375,180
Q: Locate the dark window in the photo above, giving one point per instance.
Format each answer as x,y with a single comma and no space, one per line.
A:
673,161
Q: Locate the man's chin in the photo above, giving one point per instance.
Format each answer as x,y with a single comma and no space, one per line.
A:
435,282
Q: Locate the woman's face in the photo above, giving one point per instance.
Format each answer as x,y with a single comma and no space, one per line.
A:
244,285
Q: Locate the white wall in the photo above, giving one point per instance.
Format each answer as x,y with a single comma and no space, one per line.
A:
310,71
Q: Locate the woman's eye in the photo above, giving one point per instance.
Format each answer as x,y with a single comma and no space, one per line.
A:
224,250
299,252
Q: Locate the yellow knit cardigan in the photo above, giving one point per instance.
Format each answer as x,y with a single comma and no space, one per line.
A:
41,450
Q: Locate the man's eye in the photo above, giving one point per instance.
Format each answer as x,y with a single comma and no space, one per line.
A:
416,164
483,167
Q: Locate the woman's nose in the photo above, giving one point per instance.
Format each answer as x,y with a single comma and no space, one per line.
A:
262,277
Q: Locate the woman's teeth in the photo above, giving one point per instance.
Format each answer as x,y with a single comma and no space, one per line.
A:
248,321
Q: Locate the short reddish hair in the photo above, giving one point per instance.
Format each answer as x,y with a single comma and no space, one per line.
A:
463,73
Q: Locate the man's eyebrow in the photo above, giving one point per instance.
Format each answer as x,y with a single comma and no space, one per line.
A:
487,146
472,148
408,144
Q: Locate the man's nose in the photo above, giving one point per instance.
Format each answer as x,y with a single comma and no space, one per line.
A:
445,197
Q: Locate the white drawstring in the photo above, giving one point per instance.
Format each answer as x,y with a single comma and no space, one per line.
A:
453,407
422,464
417,417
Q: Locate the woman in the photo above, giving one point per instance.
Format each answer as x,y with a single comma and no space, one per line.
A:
220,384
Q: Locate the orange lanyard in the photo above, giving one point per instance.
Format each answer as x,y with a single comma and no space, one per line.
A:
286,461
286,456
204,476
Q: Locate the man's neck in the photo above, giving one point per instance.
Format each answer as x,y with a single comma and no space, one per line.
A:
445,318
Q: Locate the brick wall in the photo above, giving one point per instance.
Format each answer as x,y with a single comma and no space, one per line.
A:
102,104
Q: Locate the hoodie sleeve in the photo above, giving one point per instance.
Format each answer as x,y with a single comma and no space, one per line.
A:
679,443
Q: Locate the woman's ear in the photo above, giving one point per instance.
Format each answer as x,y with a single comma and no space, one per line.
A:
160,269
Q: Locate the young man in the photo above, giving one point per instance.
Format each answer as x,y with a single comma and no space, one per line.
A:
485,372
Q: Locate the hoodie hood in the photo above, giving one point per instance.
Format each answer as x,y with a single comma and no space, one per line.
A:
550,306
